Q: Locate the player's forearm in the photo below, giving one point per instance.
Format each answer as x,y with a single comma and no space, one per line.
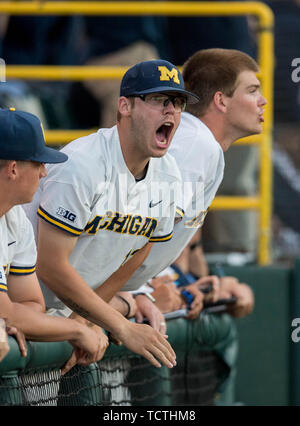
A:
37,307
118,305
72,289
96,311
197,263
41,327
4,346
117,280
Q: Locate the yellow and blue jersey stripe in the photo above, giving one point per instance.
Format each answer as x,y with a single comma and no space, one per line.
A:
162,238
180,212
21,270
3,287
58,223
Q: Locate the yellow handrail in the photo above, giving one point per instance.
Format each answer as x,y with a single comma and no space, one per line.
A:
263,201
175,8
52,72
236,203
62,137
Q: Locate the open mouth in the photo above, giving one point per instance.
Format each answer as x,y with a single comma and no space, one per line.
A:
261,116
163,134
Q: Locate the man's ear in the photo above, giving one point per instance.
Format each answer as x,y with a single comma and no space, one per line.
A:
124,106
12,170
220,101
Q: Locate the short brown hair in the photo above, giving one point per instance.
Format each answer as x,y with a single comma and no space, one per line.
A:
211,70
3,163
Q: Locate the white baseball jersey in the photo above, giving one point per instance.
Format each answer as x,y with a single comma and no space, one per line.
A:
94,197
201,162
17,245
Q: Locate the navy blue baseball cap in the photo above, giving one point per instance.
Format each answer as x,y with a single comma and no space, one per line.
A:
22,138
157,76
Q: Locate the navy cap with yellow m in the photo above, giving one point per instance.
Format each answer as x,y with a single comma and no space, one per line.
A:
156,76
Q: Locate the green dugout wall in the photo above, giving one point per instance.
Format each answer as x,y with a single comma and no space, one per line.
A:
268,366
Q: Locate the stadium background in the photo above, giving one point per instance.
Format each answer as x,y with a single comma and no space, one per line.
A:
266,370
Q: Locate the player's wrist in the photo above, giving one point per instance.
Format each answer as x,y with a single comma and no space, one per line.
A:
126,305
76,331
148,295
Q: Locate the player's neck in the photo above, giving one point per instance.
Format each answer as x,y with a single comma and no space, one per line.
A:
9,196
139,173
221,131
142,175
6,203
135,160
136,164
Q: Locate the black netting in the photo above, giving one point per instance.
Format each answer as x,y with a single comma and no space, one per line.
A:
120,381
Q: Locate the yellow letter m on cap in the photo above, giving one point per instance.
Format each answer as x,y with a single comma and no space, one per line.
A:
166,74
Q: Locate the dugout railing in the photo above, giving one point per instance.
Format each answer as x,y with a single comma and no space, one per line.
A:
262,202
206,350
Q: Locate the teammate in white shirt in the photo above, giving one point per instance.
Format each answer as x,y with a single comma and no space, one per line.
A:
117,192
200,159
231,107
22,157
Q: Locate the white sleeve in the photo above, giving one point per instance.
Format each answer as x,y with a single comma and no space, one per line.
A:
24,257
192,193
202,195
67,197
164,231
215,177
3,283
201,162
205,185
64,206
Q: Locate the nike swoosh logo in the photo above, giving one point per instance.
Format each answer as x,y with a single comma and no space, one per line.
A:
9,244
151,204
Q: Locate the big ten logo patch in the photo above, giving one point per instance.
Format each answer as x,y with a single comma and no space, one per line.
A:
167,75
66,214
